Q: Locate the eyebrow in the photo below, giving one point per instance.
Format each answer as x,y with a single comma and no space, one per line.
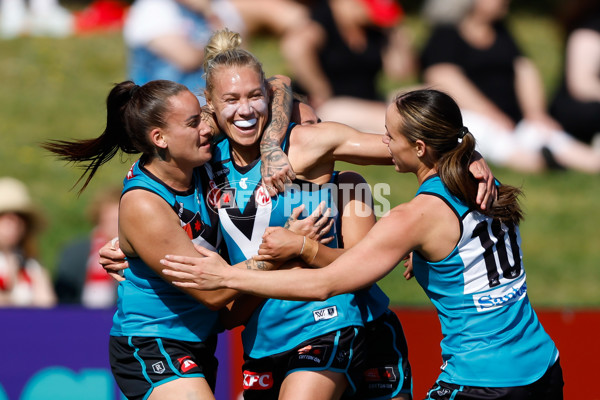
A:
193,117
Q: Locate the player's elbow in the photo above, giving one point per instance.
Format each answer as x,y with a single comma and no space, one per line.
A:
323,292
214,306
215,302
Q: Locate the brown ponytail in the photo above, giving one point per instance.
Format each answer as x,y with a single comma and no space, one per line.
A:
434,117
131,113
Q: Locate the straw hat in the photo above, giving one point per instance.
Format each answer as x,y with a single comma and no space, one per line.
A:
14,197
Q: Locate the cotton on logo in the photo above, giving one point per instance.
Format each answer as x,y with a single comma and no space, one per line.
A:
257,381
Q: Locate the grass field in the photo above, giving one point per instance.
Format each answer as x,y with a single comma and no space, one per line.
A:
56,89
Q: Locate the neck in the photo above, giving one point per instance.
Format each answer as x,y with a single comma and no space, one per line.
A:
425,172
244,155
172,175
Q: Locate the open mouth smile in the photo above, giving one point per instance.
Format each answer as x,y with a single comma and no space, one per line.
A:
245,124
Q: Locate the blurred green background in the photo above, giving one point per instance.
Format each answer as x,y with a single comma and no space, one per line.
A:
56,89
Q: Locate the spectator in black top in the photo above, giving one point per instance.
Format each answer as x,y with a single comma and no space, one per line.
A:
472,56
337,59
577,103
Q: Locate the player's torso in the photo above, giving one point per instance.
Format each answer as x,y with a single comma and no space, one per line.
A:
148,305
480,293
245,211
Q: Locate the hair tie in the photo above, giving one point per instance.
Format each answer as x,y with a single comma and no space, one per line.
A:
462,132
134,90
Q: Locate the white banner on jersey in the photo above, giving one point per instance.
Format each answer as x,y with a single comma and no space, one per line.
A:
501,296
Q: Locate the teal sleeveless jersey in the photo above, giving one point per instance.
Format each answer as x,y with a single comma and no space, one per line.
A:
245,211
148,305
491,334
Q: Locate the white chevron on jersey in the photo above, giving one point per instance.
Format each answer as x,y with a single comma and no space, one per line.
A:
261,221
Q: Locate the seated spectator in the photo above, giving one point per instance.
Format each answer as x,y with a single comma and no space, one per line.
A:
35,18
577,103
274,17
23,280
80,279
338,58
166,38
472,56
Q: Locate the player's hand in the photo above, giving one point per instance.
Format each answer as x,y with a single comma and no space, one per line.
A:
276,170
205,273
279,244
487,191
315,226
113,260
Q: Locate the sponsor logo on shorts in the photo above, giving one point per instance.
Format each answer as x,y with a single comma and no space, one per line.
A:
342,355
257,380
311,353
158,367
385,374
325,313
186,363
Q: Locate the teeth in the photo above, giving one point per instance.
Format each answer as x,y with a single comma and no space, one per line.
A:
244,123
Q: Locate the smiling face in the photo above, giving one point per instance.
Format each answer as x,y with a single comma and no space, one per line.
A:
186,136
240,102
403,152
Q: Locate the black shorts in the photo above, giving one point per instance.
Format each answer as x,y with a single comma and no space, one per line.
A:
387,371
338,351
548,387
139,364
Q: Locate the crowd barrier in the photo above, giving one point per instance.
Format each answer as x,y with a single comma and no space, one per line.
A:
62,353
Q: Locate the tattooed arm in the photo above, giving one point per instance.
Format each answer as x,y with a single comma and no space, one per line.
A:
276,170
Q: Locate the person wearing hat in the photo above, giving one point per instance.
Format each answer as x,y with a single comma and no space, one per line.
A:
336,60
23,280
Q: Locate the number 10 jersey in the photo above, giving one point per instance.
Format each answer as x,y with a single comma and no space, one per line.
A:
491,334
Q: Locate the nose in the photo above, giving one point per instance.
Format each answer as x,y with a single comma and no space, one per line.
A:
244,108
205,129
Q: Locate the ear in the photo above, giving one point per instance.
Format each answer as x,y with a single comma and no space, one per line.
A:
157,138
420,148
208,100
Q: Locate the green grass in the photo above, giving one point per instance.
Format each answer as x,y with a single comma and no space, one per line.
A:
56,88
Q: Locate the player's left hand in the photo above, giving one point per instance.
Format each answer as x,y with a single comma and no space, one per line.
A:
276,170
204,272
487,191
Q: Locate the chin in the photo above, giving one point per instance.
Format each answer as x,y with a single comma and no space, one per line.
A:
247,141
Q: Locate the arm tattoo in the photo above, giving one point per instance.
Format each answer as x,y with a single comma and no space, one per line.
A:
281,111
289,222
261,265
257,265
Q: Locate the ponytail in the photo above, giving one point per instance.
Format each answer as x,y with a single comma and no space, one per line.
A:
434,117
131,112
